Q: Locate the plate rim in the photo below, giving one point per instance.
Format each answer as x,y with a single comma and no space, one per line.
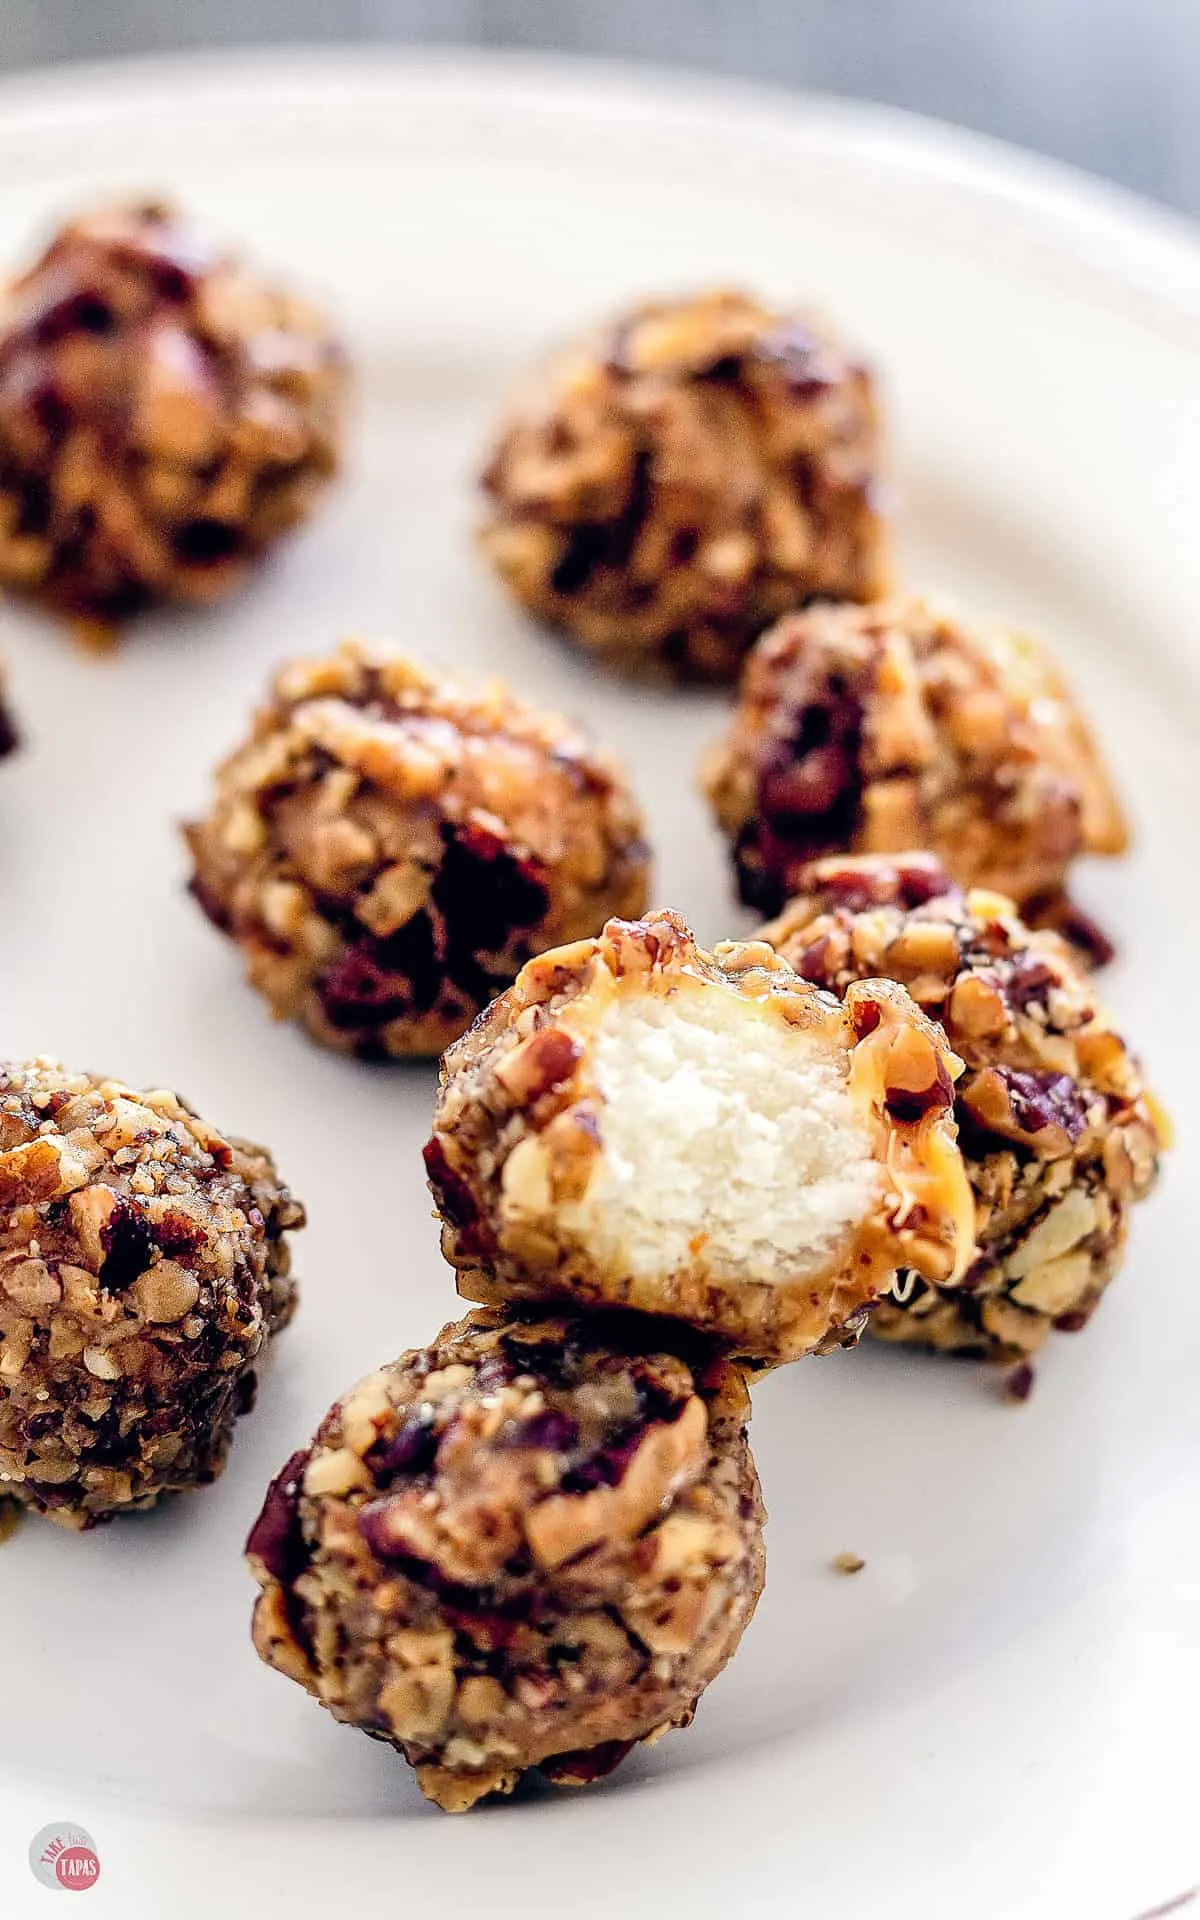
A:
1140,254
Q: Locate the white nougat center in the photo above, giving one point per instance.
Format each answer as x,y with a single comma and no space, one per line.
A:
730,1140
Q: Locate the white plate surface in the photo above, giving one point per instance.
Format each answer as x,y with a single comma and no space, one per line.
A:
998,1716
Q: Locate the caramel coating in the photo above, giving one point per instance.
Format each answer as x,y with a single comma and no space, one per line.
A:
878,729
143,1267
520,1137
389,847
1059,1134
665,489
529,1544
165,416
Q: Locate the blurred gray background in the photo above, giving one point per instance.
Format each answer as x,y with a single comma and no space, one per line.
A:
1113,85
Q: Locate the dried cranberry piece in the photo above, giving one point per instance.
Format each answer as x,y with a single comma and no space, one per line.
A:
725,370
676,647
358,992
1018,1383
275,1538
204,542
453,1195
909,884
624,530
485,892
48,1497
36,506
606,1466
361,989
809,794
245,1393
1074,1320
556,1432
412,1448
585,550
175,275
1062,915
128,1245
656,1402
818,961
411,952
814,769
865,1017
806,781
1045,1100
581,1769
162,1420
478,1605
51,412
91,313
914,1103
59,301
1028,981
493,1373
213,908
1086,935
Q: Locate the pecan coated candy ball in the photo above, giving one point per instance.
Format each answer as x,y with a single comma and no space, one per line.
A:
663,490
142,1269
1058,1132
165,416
389,847
640,1123
528,1545
877,729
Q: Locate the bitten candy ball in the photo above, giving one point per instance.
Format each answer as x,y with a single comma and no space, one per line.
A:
165,415
1059,1134
878,729
640,1123
143,1266
389,847
530,1544
665,488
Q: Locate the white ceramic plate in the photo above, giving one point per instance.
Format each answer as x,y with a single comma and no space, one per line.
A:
998,1716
